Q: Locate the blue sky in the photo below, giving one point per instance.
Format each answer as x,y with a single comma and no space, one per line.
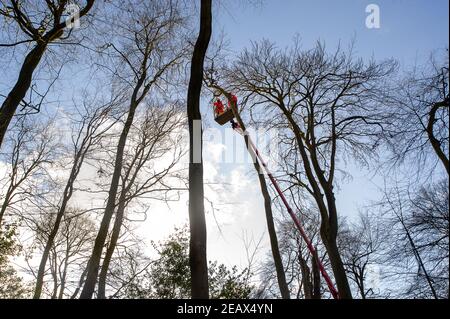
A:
409,28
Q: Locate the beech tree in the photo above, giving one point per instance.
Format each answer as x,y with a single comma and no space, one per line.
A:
38,25
416,241
326,101
153,143
419,111
28,150
360,243
92,125
69,252
145,56
197,247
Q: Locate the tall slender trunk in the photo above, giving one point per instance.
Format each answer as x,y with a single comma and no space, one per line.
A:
328,232
197,246
80,284
50,241
23,83
281,275
316,277
419,259
306,277
63,279
336,263
94,261
67,194
54,271
111,247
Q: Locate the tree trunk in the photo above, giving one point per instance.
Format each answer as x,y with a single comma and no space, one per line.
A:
49,243
306,276
111,247
430,132
63,278
328,212
16,95
316,277
281,276
197,246
4,205
336,263
54,271
419,259
94,261
80,284
67,194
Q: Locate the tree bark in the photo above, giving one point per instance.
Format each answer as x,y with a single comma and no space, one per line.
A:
316,277
80,284
281,276
336,263
23,83
306,277
328,212
111,247
94,261
64,276
430,132
197,245
51,238
5,205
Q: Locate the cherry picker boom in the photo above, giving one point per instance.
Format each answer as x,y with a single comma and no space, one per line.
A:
225,114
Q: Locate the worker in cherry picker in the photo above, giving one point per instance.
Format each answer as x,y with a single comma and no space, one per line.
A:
220,108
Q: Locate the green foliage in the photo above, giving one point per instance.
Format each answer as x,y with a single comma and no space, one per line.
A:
11,285
228,283
169,276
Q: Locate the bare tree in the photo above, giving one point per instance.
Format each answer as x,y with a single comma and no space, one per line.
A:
69,251
197,246
360,243
93,124
326,101
147,53
155,141
300,267
39,24
419,120
28,149
417,227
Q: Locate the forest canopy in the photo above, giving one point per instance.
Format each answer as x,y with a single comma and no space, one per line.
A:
114,120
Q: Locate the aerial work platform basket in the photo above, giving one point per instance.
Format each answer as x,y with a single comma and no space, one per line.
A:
223,114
